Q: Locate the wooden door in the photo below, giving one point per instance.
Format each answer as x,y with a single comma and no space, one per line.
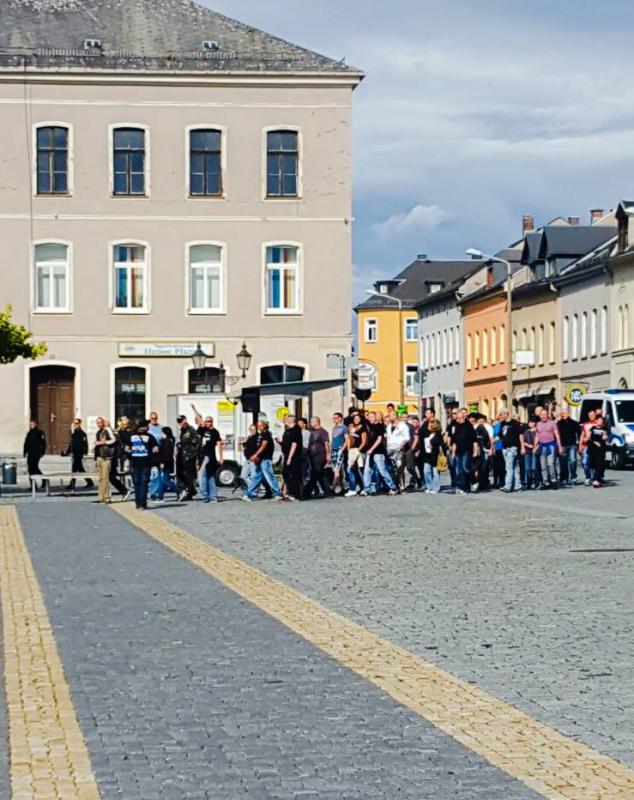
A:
53,404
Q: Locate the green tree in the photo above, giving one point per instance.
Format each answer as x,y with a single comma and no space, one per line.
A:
14,340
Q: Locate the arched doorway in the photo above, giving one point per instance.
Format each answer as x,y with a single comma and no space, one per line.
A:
52,403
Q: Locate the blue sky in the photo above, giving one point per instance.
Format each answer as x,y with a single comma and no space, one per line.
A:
471,114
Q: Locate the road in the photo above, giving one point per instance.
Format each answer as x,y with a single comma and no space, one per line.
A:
418,647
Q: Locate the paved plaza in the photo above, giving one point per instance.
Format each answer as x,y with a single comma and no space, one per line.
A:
459,648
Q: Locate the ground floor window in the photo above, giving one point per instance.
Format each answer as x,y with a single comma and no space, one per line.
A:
129,393
206,381
281,373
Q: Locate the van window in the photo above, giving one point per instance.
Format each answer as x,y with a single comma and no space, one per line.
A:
587,406
609,416
624,410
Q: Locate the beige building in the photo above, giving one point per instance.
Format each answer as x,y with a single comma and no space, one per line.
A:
166,179
622,269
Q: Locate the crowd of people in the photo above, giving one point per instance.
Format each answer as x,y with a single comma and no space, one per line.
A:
365,453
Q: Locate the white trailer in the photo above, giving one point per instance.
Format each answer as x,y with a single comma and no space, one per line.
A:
230,420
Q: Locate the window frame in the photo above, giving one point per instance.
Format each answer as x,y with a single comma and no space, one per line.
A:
594,333
41,310
575,337
604,331
147,283
300,160
367,326
189,310
147,171
566,328
407,371
407,322
583,349
283,312
222,129
70,171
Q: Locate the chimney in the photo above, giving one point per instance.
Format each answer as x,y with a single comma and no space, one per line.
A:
595,215
573,220
528,224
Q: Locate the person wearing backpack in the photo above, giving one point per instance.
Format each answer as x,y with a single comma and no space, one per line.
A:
142,449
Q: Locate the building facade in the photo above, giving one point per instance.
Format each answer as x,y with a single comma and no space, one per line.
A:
621,265
585,321
388,329
182,180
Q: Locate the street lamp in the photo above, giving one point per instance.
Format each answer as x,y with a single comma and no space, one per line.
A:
244,360
475,253
401,365
199,358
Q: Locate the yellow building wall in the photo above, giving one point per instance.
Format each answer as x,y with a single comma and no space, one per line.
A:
385,355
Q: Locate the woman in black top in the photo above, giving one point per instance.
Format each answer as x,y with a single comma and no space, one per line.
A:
597,446
431,445
165,482
356,445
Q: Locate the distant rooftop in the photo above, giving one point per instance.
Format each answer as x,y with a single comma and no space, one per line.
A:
149,35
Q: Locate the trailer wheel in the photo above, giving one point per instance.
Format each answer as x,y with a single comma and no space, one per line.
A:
227,475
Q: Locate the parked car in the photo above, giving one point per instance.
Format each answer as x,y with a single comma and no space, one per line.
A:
617,406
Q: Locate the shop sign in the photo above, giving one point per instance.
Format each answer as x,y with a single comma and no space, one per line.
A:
163,349
575,394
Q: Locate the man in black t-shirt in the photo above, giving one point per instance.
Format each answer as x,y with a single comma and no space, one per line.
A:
464,448
262,461
447,438
569,434
376,457
292,445
512,438
210,457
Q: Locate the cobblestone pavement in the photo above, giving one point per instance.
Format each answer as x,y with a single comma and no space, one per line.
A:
489,588
183,689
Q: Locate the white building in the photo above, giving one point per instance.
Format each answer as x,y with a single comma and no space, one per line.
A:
166,178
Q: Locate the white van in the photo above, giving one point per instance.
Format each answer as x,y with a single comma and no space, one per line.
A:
617,407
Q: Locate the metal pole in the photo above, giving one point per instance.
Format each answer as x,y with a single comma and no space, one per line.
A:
509,339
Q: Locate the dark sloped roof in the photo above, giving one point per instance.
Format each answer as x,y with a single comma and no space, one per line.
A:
416,279
145,34
565,241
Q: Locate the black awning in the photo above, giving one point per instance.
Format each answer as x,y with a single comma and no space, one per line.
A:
294,389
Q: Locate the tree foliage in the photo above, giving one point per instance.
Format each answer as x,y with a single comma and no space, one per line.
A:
14,340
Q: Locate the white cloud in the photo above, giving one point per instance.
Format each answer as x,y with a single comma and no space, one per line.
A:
419,218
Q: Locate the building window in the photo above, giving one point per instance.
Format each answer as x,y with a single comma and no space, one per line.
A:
128,162
130,277
566,339
432,351
514,340
52,278
485,348
469,351
457,333
540,345
626,326
503,344
282,279
575,337
282,158
494,341
426,363
438,349
476,350
604,330
52,160
210,380
449,335
206,279
281,373
411,329
434,288
551,343
129,393
593,333
370,331
205,163
584,335
411,380
524,339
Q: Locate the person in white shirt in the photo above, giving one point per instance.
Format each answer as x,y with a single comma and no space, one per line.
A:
398,442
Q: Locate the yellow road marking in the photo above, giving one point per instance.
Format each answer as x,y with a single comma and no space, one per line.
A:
553,765
47,753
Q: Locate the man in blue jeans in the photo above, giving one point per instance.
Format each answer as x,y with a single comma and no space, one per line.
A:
262,461
513,447
210,456
464,448
143,446
569,435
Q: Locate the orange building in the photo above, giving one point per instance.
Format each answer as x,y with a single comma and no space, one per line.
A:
485,369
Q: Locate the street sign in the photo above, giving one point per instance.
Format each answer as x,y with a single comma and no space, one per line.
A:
336,361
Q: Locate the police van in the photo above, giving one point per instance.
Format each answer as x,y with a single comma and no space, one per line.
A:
617,407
